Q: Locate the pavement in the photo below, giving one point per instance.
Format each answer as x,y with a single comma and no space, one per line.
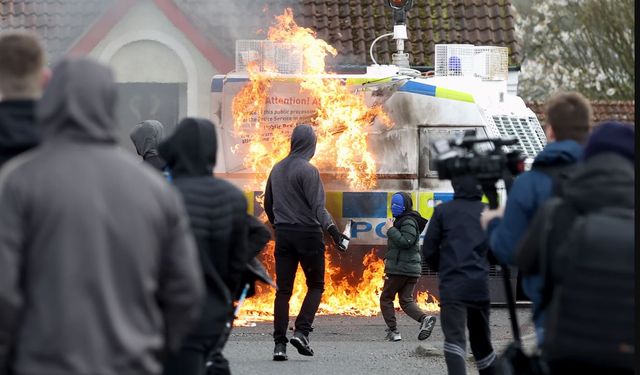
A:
356,345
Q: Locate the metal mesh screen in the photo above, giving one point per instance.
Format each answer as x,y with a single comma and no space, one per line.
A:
466,60
454,60
527,130
491,63
268,56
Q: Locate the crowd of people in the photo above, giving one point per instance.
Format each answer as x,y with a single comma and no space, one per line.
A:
110,265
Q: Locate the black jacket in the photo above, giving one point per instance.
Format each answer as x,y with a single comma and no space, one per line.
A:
259,235
606,180
18,131
294,196
217,212
456,246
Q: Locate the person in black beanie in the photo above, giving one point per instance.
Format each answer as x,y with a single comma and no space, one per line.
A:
582,244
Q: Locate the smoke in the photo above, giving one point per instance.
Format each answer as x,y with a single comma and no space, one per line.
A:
224,22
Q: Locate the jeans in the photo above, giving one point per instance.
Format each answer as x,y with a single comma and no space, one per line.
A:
293,248
404,287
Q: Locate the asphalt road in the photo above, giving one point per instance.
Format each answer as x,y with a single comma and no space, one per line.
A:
356,345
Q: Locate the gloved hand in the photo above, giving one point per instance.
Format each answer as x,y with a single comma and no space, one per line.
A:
337,237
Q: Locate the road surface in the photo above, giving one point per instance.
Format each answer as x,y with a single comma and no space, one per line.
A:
356,345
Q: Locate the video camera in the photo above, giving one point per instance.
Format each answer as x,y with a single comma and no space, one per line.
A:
459,157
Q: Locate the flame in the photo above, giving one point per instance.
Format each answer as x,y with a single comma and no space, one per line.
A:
341,118
341,295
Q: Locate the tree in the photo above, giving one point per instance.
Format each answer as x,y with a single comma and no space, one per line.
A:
581,45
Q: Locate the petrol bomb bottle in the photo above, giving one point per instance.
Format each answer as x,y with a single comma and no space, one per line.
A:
347,232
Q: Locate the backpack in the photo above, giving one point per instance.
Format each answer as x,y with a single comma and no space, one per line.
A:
588,294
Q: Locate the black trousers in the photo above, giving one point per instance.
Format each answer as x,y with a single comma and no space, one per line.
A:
454,316
403,286
192,356
293,248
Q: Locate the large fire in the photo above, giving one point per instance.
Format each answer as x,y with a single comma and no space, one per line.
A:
341,121
342,295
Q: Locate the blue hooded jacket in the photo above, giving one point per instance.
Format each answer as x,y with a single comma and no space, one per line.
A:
528,192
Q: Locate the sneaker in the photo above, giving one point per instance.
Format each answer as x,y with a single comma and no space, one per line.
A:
280,352
301,342
426,327
393,335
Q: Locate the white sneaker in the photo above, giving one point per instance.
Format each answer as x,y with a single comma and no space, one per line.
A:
393,335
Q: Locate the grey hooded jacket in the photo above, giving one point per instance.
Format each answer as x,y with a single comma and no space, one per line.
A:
294,196
98,269
146,136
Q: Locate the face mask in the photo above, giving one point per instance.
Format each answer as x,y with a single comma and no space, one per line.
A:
397,205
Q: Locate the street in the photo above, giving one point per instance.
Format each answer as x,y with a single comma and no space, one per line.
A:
356,345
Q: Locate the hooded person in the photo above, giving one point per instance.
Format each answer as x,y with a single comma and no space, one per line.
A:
402,267
456,246
584,250
295,205
217,213
98,269
146,136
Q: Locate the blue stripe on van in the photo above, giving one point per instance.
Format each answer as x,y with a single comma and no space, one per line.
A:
418,88
369,205
442,197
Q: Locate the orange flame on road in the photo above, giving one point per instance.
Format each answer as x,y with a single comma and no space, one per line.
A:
341,295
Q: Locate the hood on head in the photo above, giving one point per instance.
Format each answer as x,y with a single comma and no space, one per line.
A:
466,187
303,142
146,136
401,199
408,212
79,102
191,149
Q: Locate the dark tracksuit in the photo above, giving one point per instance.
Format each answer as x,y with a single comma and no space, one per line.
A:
456,246
295,204
218,216
402,265
18,132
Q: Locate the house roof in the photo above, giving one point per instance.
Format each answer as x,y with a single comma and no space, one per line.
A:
349,25
58,22
603,110
352,26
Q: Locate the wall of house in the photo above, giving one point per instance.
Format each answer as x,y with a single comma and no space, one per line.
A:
146,47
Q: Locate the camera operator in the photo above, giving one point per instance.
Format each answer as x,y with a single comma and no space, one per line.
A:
568,117
456,246
584,248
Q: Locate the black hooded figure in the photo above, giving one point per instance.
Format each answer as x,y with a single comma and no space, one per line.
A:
456,246
295,204
217,213
146,136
